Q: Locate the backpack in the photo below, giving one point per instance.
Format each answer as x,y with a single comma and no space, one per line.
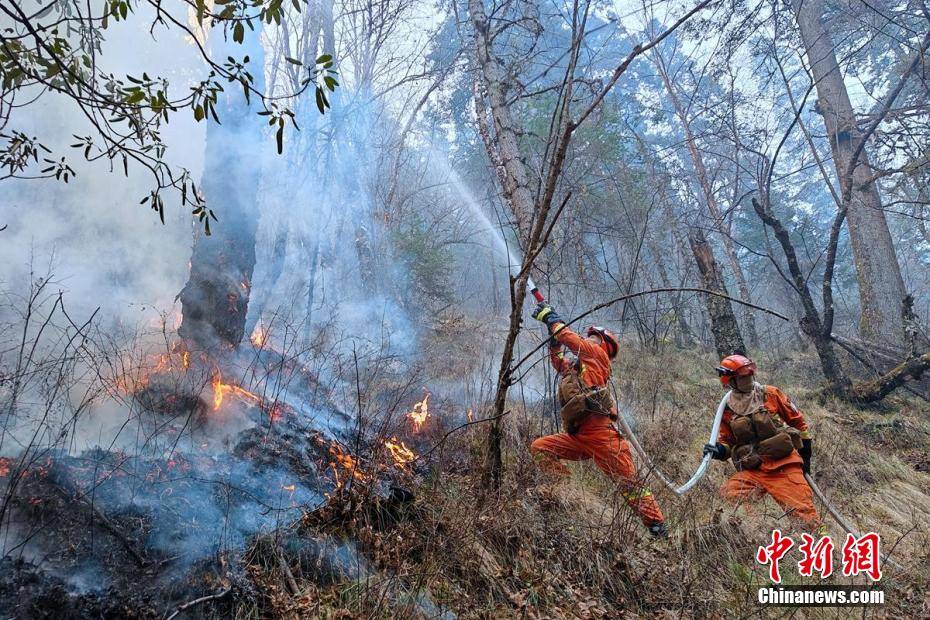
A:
578,401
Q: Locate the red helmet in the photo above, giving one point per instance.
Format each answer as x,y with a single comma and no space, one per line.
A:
735,366
611,345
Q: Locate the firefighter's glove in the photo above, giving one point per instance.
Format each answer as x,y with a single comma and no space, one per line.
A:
545,314
806,451
717,451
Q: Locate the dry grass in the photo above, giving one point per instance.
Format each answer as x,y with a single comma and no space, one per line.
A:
572,550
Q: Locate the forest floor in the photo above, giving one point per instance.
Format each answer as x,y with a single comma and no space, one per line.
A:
426,538
573,550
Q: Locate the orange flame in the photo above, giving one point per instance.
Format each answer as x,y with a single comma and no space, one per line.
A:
345,461
220,390
289,487
419,414
259,336
276,412
401,454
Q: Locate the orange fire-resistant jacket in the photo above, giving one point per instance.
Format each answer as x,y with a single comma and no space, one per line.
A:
594,364
777,403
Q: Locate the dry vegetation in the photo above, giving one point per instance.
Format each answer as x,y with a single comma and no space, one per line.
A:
540,549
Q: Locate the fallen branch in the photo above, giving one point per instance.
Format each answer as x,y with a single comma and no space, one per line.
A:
198,601
846,345
876,350
877,389
652,291
288,575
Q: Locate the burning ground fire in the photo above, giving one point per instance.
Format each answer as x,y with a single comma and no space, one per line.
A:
419,414
401,454
220,390
346,468
259,336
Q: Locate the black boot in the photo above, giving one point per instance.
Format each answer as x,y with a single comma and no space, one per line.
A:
658,530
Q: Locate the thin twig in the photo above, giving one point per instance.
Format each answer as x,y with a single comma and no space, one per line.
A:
107,525
197,601
458,428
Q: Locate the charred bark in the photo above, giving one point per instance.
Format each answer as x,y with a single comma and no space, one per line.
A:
727,337
216,297
881,287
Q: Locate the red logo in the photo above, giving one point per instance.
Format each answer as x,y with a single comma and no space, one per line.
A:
771,554
860,555
817,556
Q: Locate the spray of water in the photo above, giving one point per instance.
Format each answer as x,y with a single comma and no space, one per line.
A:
497,237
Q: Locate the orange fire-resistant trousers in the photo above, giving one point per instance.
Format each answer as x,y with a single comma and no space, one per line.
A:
597,439
786,485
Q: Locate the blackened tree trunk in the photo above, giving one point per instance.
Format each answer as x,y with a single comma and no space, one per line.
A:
727,337
881,287
216,297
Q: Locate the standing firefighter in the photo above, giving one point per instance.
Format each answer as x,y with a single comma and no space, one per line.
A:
588,413
767,438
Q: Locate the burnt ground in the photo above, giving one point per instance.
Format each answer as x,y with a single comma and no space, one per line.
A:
105,534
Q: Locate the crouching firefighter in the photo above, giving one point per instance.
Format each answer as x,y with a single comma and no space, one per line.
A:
767,439
588,413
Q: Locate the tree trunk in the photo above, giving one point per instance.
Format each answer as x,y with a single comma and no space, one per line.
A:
515,177
727,337
811,323
710,200
881,287
502,148
215,299
683,336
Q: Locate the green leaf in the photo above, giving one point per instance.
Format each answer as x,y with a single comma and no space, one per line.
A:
324,59
238,32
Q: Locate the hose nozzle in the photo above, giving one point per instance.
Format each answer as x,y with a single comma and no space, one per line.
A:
535,290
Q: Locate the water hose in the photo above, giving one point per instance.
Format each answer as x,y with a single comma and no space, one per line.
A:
705,462
839,517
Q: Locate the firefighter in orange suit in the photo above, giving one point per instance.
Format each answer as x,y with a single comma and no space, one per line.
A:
767,438
590,433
